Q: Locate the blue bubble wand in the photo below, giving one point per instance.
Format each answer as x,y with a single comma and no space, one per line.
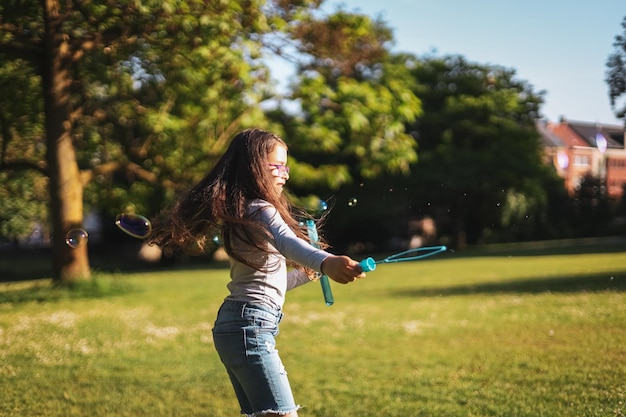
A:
314,239
416,254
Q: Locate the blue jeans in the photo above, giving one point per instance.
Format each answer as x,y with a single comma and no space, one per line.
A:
244,338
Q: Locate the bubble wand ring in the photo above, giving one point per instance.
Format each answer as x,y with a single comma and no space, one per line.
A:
324,281
416,254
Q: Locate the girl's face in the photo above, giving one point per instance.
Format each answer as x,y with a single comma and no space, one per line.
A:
278,165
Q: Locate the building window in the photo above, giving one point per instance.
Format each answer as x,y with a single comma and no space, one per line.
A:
581,160
616,163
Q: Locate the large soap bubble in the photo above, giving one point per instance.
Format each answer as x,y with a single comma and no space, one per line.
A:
134,225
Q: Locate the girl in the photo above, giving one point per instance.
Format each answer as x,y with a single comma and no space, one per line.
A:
242,199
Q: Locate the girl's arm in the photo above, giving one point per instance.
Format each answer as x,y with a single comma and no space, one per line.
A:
288,243
341,269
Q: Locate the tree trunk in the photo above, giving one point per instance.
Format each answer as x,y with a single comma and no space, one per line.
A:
66,190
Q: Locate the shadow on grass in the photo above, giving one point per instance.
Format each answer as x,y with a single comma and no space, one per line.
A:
36,264
614,244
43,291
563,284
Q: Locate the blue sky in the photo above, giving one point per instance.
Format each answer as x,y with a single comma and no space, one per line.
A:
557,46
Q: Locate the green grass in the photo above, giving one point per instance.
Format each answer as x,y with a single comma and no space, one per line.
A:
453,336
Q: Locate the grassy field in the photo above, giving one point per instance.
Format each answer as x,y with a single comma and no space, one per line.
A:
498,335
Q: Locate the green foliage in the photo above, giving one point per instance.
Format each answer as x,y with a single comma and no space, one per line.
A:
159,87
23,204
479,156
351,112
155,91
478,144
360,121
173,101
23,193
342,43
616,72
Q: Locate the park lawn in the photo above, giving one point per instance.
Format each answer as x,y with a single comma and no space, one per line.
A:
451,336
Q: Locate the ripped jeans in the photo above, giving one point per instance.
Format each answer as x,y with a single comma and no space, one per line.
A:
244,339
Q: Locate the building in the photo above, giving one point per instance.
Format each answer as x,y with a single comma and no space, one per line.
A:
579,149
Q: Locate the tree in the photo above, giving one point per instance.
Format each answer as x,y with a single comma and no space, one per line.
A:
125,89
49,39
616,73
351,110
172,104
133,102
480,167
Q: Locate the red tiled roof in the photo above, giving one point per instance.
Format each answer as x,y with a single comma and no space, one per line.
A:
567,135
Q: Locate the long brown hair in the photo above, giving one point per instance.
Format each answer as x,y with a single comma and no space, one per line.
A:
218,204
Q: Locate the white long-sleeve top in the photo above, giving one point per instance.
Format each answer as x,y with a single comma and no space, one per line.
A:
249,285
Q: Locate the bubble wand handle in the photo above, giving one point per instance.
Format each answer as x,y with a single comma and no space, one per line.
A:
368,264
324,281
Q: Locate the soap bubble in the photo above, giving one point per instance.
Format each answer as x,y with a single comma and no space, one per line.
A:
217,240
561,159
323,206
76,238
134,225
352,202
601,142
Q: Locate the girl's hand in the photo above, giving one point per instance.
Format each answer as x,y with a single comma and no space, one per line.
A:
342,269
